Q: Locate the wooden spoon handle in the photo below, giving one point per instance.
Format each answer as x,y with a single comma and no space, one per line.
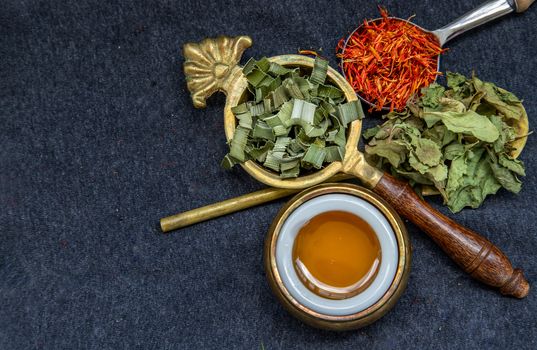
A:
475,254
522,5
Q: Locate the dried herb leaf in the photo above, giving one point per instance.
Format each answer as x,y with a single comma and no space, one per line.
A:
428,152
505,102
456,139
468,123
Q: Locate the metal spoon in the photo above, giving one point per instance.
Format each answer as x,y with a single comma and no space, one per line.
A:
482,14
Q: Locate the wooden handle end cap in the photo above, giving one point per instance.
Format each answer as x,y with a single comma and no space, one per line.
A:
523,5
517,286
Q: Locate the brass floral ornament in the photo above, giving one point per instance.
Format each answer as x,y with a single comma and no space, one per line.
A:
209,64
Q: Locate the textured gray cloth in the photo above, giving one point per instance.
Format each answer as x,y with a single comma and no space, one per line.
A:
99,139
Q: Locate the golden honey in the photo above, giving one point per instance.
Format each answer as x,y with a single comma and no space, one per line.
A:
336,254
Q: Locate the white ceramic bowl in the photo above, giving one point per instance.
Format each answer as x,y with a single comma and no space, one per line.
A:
360,208
358,310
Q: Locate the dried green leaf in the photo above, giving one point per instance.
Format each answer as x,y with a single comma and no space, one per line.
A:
371,132
454,150
505,102
428,152
468,123
455,80
504,176
394,152
514,165
431,95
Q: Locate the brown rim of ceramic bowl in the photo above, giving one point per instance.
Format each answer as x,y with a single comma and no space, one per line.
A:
352,321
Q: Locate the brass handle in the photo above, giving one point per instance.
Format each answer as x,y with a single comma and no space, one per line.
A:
229,206
232,205
209,64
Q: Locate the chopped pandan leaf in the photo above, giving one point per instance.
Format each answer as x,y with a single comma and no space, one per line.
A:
289,164
319,115
291,172
281,144
228,162
285,113
260,153
334,153
267,105
257,109
273,120
315,156
266,82
249,66
320,68
256,76
350,111
294,147
245,120
277,69
293,89
259,94
281,130
263,64
303,112
341,137
305,87
279,96
240,137
272,162
315,131
331,135
329,91
292,121
240,109
263,131
328,108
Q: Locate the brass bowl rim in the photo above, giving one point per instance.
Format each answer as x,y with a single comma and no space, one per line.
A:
257,171
364,317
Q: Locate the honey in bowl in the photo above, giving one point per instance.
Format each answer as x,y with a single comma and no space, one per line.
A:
336,254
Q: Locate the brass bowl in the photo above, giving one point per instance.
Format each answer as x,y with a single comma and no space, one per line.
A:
239,94
358,319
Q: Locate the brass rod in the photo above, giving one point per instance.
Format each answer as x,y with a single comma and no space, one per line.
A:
229,206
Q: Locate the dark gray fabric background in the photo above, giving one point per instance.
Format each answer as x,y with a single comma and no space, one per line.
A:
99,139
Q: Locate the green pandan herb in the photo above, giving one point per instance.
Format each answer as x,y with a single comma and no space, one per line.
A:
292,122
455,138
